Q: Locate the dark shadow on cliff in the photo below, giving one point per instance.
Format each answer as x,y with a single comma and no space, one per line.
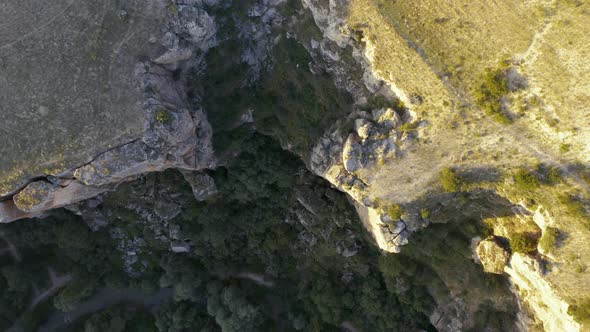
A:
441,259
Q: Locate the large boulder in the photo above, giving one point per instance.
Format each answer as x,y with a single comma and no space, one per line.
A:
492,256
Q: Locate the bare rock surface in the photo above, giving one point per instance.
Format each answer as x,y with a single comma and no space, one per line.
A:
202,184
492,256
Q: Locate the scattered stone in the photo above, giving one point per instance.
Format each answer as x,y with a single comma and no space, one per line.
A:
174,56
166,208
413,221
402,238
123,15
363,128
180,247
197,26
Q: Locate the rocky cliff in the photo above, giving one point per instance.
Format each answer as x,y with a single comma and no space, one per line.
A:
120,111
448,129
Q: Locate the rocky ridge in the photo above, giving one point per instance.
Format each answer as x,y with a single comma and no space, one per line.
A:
397,68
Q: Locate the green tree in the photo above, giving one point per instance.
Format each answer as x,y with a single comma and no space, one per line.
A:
74,292
184,316
232,311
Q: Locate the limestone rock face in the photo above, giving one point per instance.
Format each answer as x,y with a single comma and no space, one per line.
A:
126,118
527,276
352,154
492,256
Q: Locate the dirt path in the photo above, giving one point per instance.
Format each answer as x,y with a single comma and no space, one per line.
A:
103,299
11,247
259,279
57,282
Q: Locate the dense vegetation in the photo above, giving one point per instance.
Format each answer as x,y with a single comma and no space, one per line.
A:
289,102
254,228
275,250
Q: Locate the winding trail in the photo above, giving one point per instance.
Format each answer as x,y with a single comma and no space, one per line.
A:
103,299
11,247
258,279
57,282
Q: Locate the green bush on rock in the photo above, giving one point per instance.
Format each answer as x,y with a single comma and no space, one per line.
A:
163,116
523,243
395,211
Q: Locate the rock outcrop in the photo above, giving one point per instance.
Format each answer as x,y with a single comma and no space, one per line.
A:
492,256
159,130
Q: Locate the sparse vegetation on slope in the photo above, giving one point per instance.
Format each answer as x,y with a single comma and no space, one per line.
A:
574,207
525,180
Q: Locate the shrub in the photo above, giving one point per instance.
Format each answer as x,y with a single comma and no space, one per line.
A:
449,180
378,101
574,207
580,311
523,243
395,211
554,175
564,148
163,116
549,239
490,93
485,231
525,180
425,213
408,127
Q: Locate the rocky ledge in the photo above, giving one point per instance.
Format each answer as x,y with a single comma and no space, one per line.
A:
116,106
